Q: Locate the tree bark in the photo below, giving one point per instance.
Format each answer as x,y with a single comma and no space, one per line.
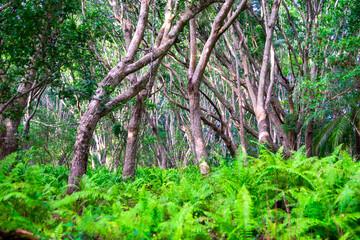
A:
9,124
357,146
17,104
8,137
260,112
195,77
309,135
194,100
240,96
134,123
82,145
195,120
100,107
162,151
258,99
97,106
132,140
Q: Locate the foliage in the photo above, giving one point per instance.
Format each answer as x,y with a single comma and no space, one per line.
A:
302,198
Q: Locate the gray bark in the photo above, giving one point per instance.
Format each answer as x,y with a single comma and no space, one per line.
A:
132,140
194,79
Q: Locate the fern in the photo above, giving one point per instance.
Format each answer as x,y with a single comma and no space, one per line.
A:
244,212
270,197
58,231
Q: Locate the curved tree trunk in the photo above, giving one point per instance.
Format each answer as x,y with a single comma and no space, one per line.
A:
117,74
82,144
195,74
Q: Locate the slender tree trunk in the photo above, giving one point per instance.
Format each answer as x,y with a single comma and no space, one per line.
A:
241,117
195,120
122,70
28,115
241,123
195,74
357,146
258,101
194,100
132,140
161,148
134,125
263,125
117,157
309,135
309,130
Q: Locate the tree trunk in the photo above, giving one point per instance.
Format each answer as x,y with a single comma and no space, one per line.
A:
190,140
241,123
309,135
194,100
241,117
195,120
9,125
263,125
161,148
357,146
82,144
8,137
195,74
132,140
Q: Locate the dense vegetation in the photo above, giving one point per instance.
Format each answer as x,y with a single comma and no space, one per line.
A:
180,119
300,198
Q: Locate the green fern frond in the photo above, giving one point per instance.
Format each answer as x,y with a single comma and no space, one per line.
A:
58,231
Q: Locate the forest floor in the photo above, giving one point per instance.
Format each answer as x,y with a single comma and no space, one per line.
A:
269,198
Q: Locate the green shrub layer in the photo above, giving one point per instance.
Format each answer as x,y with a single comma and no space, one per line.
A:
270,197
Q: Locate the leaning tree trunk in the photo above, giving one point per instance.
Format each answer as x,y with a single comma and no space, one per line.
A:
117,74
82,144
196,73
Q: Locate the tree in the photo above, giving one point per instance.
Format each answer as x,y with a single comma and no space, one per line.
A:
30,59
101,103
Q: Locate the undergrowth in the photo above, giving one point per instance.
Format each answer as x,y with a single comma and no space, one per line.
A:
269,198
